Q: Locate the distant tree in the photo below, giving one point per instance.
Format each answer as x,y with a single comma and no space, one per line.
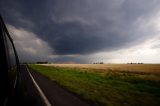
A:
41,62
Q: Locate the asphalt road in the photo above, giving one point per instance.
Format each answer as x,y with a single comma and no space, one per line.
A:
40,91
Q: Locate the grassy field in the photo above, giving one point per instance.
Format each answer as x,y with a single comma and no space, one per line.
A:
112,85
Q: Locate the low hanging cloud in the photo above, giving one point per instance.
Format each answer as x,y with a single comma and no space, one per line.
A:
29,46
91,26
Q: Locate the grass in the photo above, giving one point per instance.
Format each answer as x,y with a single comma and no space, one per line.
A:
111,88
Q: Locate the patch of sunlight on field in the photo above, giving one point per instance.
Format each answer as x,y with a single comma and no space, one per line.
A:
135,68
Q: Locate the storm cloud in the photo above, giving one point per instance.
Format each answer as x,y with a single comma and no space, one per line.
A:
84,27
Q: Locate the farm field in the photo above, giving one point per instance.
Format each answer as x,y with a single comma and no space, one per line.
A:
132,68
108,84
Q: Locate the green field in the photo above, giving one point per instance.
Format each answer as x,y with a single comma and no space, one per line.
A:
106,88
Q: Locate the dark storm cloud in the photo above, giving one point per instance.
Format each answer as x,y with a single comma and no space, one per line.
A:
70,59
83,26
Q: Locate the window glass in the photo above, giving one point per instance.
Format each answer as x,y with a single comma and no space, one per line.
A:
11,54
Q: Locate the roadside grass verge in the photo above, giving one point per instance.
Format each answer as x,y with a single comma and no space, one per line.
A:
106,89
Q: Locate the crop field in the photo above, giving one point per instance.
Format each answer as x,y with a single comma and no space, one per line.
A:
108,84
132,68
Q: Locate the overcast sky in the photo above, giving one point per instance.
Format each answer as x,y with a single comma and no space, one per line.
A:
84,31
